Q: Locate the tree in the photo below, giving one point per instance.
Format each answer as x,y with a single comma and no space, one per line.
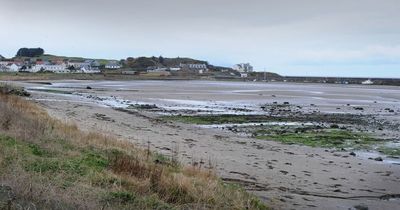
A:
123,62
161,59
130,62
30,52
143,62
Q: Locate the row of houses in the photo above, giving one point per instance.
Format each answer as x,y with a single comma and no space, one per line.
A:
194,68
93,66
57,66
242,69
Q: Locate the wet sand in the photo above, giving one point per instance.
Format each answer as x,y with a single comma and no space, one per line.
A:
284,176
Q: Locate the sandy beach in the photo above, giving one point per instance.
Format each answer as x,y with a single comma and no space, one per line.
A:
284,176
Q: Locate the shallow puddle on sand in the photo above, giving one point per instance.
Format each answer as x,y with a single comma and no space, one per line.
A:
256,124
374,154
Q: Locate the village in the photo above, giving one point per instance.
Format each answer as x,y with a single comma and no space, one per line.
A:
54,66
156,66
159,67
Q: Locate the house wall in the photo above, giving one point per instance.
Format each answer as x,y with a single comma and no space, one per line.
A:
112,67
13,68
76,65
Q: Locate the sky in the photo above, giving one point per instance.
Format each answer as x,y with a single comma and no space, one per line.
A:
291,37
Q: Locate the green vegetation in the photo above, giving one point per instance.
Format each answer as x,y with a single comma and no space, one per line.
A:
12,90
123,198
315,136
57,57
239,119
330,138
65,168
391,151
30,52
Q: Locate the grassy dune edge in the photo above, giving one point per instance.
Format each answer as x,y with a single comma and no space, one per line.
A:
48,164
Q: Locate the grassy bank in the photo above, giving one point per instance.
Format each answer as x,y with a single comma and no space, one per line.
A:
53,165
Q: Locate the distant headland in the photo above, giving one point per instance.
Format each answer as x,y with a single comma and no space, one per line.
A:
34,63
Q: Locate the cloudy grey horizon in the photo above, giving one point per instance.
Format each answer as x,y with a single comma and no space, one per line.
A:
358,38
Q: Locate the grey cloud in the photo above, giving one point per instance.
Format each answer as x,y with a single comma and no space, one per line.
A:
264,32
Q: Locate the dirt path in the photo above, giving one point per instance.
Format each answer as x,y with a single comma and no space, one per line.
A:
285,176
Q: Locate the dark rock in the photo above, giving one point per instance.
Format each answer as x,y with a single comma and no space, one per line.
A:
378,159
284,172
352,154
335,126
6,197
360,207
88,87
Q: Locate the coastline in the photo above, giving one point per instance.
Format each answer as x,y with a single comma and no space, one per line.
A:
284,176
20,76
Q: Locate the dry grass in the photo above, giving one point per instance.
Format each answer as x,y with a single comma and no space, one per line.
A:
52,164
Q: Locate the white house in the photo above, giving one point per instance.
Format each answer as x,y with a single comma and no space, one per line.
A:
175,69
13,67
90,66
89,70
113,65
60,68
75,64
158,69
199,68
194,66
37,68
243,75
4,63
243,67
367,82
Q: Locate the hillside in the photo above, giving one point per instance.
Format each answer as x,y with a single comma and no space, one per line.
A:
134,63
58,57
265,75
171,62
146,62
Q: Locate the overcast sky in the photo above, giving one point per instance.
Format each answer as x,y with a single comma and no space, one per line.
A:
290,37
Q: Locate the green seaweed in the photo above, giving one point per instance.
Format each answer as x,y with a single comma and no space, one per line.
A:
329,138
